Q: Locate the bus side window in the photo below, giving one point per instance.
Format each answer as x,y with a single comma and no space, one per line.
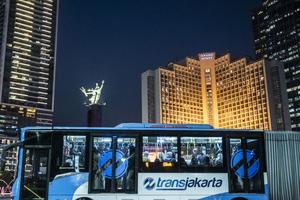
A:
201,152
68,155
73,154
237,184
101,164
246,165
160,153
256,166
126,150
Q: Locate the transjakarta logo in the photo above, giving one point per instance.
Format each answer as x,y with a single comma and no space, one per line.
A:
181,184
149,183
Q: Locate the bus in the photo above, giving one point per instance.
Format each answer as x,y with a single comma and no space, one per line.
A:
140,162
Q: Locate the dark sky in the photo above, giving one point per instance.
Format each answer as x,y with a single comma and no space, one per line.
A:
118,40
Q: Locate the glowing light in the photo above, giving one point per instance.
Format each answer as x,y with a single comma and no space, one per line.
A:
167,164
93,95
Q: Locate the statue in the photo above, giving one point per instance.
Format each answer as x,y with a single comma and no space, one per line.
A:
93,95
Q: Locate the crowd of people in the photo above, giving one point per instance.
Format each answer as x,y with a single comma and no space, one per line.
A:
153,152
202,155
73,147
192,155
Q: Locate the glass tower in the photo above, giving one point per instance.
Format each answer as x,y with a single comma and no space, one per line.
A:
276,27
28,31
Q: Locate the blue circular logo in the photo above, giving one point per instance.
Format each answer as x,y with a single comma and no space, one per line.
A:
237,163
105,163
149,183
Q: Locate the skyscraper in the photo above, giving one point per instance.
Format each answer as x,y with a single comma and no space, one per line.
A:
28,31
276,27
219,91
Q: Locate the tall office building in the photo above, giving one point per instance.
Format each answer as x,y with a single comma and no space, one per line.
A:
219,91
28,30
11,155
276,27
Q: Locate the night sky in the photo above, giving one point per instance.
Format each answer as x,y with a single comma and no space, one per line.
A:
118,40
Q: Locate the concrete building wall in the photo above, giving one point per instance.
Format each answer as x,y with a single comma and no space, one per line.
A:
209,88
144,95
278,101
150,93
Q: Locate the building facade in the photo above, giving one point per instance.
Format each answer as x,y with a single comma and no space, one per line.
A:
276,27
11,156
13,117
219,91
28,31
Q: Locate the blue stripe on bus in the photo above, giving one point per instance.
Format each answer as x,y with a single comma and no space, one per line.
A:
65,186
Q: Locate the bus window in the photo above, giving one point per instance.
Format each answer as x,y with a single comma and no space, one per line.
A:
255,166
237,170
201,152
246,165
125,164
73,152
159,152
35,173
102,164
68,154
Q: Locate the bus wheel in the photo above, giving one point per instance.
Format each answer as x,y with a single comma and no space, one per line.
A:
239,198
84,198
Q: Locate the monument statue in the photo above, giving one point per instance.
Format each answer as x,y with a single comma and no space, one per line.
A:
93,95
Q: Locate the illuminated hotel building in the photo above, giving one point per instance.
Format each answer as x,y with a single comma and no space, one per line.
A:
276,27
219,91
28,32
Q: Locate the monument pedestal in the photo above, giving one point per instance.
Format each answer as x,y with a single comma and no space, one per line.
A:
94,115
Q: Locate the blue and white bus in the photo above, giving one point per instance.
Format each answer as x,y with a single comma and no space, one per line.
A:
140,162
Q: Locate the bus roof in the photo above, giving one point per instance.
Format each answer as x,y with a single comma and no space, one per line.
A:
139,126
154,125
136,127
127,126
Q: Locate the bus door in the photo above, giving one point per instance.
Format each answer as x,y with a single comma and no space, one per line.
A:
245,165
114,168
35,173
